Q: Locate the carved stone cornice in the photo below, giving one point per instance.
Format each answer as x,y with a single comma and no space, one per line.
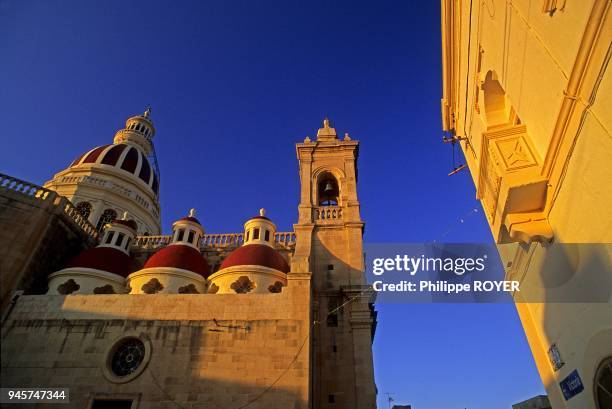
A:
511,187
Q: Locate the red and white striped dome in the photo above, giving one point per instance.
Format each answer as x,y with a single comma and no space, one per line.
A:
122,156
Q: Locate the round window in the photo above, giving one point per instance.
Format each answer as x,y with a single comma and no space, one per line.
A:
603,385
128,356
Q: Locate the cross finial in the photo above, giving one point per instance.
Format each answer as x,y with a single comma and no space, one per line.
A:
192,212
262,212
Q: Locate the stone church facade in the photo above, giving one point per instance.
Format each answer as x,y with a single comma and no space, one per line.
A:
98,301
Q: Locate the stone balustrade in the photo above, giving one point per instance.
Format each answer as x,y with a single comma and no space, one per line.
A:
37,192
327,213
222,240
285,239
215,240
152,242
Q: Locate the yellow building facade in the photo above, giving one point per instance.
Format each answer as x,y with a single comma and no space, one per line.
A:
526,94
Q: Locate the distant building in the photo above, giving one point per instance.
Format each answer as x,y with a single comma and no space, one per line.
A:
537,402
526,95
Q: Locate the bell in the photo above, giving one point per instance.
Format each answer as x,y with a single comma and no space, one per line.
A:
328,187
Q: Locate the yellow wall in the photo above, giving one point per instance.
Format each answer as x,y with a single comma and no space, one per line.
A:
529,91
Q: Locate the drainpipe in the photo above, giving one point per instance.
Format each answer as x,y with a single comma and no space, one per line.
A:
593,25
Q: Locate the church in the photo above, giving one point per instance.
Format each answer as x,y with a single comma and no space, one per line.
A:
97,300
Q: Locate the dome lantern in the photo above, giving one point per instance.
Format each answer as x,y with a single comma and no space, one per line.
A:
118,234
259,230
187,231
139,131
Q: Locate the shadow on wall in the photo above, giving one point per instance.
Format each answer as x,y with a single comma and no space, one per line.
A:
185,364
573,283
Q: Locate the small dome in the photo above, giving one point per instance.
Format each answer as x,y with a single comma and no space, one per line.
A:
259,217
106,259
111,155
129,223
179,256
258,255
190,219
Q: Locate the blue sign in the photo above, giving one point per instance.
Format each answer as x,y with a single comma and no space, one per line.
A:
571,385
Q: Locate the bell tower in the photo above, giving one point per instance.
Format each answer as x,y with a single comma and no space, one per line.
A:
329,244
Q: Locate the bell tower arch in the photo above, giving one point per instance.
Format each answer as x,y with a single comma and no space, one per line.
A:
329,244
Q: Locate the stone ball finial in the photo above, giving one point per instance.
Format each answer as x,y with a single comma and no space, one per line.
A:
147,112
326,122
262,212
192,212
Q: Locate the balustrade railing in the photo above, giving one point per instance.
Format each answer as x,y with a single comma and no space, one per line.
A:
152,242
215,240
40,193
23,187
325,213
222,240
285,239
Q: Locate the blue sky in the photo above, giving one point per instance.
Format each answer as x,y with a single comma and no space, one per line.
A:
233,85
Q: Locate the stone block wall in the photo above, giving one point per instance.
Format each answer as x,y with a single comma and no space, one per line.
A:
206,350
37,238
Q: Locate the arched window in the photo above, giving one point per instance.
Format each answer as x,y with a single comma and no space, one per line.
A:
107,216
84,208
603,384
497,109
328,190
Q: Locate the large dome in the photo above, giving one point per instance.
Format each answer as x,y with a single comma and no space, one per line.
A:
106,259
122,156
258,255
179,256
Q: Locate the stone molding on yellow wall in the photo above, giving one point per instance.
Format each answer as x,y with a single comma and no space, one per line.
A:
511,187
528,227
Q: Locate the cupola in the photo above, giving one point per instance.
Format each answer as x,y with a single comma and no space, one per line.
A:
259,230
102,269
123,176
178,268
256,266
187,231
119,234
139,130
